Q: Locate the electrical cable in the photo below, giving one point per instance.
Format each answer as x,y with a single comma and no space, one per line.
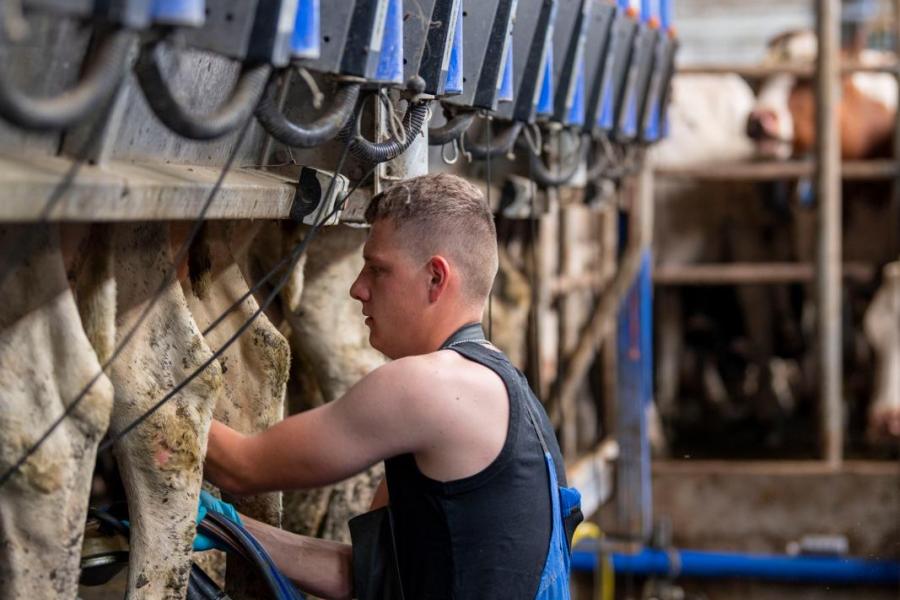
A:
126,339
228,116
294,258
535,292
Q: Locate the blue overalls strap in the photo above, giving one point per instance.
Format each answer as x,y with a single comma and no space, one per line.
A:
554,584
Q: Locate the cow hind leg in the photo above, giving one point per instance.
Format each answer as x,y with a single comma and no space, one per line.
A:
330,335
161,460
255,367
46,361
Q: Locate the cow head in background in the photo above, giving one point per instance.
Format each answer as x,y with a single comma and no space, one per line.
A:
783,122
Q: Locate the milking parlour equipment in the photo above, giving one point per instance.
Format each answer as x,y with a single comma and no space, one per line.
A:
590,75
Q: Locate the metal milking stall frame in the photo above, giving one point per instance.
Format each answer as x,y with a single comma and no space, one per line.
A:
634,513
588,77
828,171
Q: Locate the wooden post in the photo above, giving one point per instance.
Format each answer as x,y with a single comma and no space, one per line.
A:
566,326
828,180
894,211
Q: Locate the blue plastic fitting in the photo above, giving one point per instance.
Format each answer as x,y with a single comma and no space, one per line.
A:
454,83
390,62
305,39
665,14
506,82
545,100
576,111
180,13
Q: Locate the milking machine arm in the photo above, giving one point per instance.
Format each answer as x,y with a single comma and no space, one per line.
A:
502,143
306,135
379,152
102,77
542,175
169,110
452,130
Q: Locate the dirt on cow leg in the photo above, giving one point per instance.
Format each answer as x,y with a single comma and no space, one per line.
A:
160,461
46,361
254,369
330,336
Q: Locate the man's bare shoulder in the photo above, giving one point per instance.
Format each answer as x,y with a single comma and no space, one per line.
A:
423,372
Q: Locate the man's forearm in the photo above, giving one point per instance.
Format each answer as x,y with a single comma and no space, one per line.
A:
226,459
320,567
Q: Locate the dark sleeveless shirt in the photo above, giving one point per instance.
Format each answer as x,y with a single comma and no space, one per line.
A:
487,535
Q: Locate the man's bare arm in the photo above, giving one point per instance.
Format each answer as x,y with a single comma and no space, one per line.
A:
320,567
374,420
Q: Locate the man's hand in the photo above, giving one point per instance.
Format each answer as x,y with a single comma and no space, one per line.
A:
209,503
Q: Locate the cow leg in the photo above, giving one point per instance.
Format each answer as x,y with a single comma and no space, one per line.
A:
330,337
254,368
671,337
882,327
46,361
161,460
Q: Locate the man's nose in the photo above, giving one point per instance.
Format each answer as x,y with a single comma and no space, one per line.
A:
358,291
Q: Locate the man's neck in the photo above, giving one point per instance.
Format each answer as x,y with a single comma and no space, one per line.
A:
440,333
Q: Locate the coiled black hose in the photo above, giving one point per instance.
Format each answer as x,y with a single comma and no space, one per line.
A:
101,79
502,143
227,117
250,549
306,135
202,587
379,152
545,177
452,130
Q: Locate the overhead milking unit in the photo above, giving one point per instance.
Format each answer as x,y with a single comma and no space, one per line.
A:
654,124
121,20
257,34
486,39
532,37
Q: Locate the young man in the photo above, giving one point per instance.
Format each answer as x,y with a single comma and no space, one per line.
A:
471,462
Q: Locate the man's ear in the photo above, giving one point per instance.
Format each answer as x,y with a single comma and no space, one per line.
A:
438,277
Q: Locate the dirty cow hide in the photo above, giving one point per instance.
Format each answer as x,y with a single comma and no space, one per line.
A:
161,460
46,361
509,310
882,326
254,368
330,342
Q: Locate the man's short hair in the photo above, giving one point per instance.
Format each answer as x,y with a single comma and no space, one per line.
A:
444,214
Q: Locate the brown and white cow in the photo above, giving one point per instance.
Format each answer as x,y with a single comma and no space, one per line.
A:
782,124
